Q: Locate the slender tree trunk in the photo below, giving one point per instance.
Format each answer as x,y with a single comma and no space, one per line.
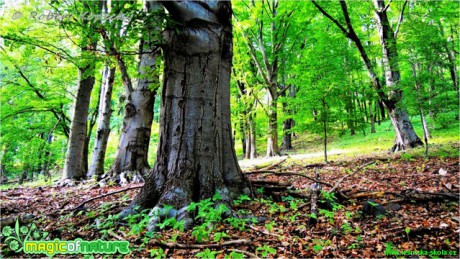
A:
91,122
272,134
103,124
382,111
253,153
349,107
287,138
324,121
288,124
372,114
73,167
131,159
425,132
196,156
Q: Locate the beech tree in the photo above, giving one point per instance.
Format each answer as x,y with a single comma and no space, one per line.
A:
73,166
103,124
195,157
270,40
391,95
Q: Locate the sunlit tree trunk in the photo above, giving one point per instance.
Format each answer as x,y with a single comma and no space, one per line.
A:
103,124
131,160
405,133
73,167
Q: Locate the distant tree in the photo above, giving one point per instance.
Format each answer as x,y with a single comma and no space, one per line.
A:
391,95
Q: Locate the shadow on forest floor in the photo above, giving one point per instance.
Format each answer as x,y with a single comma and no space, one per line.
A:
428,224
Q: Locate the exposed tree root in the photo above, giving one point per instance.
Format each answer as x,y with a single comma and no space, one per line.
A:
265,232
67,183
124,178
268,167
102,196
410,195
289,173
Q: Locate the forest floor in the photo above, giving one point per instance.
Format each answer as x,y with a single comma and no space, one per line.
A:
420,196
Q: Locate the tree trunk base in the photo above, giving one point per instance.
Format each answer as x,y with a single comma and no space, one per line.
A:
124,178
401,146
67,183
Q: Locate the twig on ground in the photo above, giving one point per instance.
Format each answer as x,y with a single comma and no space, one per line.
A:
201,246
269,167
104,195
348,175
250,255
263,231
289,173
110,232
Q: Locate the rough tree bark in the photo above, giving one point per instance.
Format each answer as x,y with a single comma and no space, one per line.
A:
103,124
90,126
131,160
405,133
73,167
195,157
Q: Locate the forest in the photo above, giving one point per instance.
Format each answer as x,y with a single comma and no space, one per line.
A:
229,129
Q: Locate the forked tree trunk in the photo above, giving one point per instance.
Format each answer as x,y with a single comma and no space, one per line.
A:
131,160
103,124
195,157
73,163
405,133
392,96
132,153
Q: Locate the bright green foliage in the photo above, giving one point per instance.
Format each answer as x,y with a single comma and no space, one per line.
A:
207,254
265,250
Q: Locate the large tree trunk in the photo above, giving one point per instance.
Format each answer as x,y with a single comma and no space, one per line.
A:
103,124
73,163
405,133
196,156
131,160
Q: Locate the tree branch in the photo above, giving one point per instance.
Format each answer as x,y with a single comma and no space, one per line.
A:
330,17
401,16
